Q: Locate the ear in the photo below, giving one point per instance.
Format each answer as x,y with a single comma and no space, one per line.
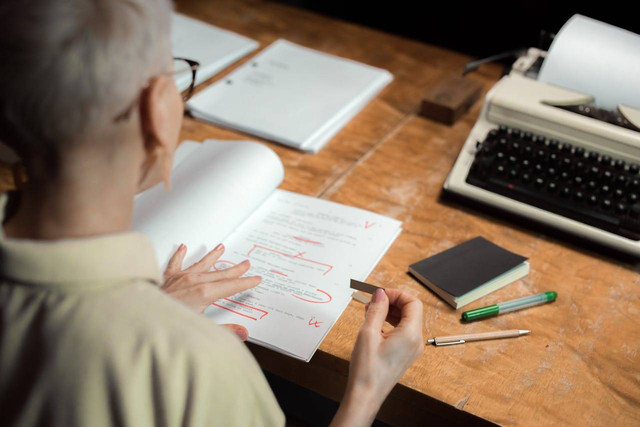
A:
161,113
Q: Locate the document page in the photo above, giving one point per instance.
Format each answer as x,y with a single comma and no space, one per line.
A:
215,186
213,47
290,94
596,59
306,251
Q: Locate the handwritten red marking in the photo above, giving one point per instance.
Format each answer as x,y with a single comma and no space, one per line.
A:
313,301
302,239
221,261
278,272
297,256
244,305
368,224
316,323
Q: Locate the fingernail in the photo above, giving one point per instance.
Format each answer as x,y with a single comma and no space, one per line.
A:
181,247
242,333
245,262
220,246
378,295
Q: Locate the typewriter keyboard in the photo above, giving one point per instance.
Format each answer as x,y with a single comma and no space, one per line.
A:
580,184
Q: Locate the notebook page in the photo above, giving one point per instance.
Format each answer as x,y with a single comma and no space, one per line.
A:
306,251
214,189
596,59
213,47
289,94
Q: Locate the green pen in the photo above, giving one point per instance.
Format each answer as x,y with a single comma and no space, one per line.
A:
507,306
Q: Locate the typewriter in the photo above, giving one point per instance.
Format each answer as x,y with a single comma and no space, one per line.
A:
549,155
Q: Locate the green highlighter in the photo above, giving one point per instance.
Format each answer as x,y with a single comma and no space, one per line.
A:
507,306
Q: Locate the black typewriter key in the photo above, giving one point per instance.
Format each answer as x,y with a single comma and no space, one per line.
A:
621,181
551,172
635,210
634,183
552,187
526,164
592,185
502,128
618,193
605,189
553,144
500,156
526,178
619,165
632,197
580,166
594,171
527,151
565,191
539,182
527,136
578,152
515,147
492,134
621,208
578,180
553,157
566,162
538,168
539,141
503,143
605,159
606,204
501,169
607,176
633,169
513,174
593,156
592,199
565,175
540,154
513,160
578,196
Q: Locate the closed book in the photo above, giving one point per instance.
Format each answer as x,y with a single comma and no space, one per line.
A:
469,271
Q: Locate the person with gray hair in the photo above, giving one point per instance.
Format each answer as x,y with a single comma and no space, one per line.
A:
91,333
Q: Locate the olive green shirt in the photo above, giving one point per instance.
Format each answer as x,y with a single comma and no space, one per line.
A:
87,338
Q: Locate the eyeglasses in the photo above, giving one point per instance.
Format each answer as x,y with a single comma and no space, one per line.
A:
184,71
182,66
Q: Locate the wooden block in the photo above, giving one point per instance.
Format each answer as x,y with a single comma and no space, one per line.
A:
450,99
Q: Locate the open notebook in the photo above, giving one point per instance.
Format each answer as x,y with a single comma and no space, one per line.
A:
213,47
290,94
306,249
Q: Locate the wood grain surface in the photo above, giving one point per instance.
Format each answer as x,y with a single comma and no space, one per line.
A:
580,364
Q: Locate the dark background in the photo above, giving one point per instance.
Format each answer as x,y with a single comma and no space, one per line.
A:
478,28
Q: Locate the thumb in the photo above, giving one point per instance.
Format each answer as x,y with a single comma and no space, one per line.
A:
240,331
378,310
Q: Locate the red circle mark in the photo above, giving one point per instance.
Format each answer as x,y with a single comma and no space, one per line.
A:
222,261
313,301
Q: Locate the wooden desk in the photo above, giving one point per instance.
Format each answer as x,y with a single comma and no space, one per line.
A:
581,364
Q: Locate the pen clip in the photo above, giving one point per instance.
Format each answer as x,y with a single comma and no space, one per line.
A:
449,343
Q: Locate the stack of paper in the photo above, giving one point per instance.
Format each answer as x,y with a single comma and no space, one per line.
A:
213,47
291,94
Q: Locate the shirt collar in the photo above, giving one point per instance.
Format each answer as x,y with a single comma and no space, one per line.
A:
102,260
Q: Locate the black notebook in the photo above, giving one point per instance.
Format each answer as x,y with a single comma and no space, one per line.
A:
469,271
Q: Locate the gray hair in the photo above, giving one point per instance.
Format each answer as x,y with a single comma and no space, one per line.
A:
68,67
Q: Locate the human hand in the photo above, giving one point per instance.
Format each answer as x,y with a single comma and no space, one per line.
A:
379,359
197,287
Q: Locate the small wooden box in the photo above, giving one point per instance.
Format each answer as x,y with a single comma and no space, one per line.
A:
450,99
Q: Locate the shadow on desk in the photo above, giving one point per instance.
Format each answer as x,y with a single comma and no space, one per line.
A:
563,238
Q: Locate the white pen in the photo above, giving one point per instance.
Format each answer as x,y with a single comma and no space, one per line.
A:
461,339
